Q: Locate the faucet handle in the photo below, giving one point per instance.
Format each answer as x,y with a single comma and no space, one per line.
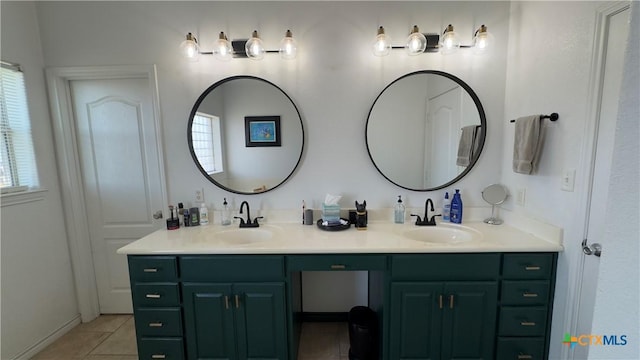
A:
241,220
418,220
432,221
255,221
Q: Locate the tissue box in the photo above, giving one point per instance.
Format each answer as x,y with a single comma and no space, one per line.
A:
330,212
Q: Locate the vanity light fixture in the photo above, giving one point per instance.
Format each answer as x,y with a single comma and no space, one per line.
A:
382,44
419,43
450,42
222,49
252,48
416,42
189,48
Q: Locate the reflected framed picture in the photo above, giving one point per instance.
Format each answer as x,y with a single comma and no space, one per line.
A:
262,131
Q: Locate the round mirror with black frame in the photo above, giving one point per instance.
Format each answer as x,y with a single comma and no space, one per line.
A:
426,130
245,135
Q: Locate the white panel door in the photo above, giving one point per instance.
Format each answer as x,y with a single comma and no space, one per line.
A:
444,123
120,166
617,29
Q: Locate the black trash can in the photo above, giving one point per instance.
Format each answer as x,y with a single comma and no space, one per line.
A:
363,334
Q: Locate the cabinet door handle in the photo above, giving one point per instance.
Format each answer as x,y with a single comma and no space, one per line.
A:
156,324
226,302
152,296
338,267
237,301
440,301
524,356
532,268
450,301
150,270
527,323
158,356
529,295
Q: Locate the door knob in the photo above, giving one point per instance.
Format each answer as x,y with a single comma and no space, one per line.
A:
157,215
593,249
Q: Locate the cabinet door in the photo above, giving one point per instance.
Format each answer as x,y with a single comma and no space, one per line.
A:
261,321
209,321
416,318
469,320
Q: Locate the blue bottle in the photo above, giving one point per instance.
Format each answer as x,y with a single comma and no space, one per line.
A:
456,208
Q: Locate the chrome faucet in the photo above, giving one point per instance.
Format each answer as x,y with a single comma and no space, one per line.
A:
427,221
248,223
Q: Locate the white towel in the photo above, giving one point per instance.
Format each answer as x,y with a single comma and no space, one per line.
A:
527,144
466,146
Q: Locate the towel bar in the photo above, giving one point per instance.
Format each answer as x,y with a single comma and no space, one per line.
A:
552,117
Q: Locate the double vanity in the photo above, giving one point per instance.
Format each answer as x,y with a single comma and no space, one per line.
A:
472,291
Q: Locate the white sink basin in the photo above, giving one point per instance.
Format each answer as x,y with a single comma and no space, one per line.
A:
442,234
239,236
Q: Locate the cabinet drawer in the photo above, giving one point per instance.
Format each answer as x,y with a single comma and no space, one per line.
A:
161,349
523,321
520,349
527,266
158,322
153,268
336,262
232,268
156,294
445,267
532,292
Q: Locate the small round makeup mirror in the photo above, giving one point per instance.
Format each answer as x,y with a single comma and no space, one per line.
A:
494,194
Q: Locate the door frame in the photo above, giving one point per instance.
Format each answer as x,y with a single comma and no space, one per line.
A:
68,161
588,157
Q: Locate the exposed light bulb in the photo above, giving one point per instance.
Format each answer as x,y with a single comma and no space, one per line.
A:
449,42
288,46
254,47
382,44
189,48
222,49
482,40
416,42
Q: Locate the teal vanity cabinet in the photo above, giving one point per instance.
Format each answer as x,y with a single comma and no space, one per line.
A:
526,297
234,307
157,307
443,306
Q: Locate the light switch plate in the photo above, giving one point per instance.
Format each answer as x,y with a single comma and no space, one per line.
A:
521,195
568,179
199,196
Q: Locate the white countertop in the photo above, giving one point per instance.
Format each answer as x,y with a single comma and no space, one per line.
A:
379,237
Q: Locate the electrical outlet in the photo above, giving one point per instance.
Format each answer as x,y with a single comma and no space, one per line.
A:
199,196
521,195
568,179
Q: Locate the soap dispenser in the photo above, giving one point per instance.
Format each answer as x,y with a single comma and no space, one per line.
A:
226,213
446,207
398,211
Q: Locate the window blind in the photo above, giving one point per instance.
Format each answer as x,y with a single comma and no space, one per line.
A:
206,140
17,160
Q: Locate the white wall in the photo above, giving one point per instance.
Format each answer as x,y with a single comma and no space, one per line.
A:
38,294
616,312
549,71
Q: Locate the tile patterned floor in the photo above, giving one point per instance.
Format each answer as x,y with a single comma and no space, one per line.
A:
112,337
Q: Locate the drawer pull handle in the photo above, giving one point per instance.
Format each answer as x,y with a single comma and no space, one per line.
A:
150,270
226,302
532,268
440,301
158,356
237,301
156,324
523,357
338,267
527,323
450,301
152,296
529,295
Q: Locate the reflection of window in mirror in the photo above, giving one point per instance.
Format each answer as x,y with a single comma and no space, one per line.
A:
207,142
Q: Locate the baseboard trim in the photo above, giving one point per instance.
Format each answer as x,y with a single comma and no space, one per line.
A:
324,316
57,334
